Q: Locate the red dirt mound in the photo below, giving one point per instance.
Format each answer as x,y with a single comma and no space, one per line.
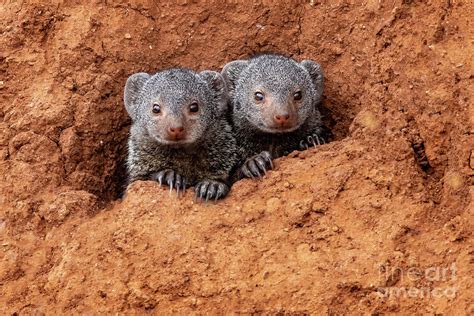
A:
378,221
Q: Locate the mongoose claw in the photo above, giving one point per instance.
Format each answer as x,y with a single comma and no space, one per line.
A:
303,145
257,166
222,190
267,158
159,176
311,141
210,190
246,172
201,189
179,184
171,178
261,164
254,168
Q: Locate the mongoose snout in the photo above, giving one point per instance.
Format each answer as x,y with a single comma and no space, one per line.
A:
176,132
282,119
279,117
276,110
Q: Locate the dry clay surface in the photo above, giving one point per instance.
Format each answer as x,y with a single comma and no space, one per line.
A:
386,205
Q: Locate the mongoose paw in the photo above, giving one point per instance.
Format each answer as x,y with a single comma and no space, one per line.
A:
171,178
312,140
257,166
211,190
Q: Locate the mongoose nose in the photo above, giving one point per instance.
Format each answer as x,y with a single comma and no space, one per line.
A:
281,119
176,132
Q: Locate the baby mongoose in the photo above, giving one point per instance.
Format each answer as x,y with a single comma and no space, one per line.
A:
179,135
274,108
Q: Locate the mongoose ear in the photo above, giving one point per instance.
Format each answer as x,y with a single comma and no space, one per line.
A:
215,81
231,73
316,73
132,91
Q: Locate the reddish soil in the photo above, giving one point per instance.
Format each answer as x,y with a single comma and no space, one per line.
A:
384,206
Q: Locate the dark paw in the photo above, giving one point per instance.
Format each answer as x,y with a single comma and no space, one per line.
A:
170,178
312,140
257,166
211,190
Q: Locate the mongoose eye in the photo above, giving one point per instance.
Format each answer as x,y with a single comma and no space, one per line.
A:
156,108
259,96
193,107
297,95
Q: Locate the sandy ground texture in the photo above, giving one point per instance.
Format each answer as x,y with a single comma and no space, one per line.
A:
378,221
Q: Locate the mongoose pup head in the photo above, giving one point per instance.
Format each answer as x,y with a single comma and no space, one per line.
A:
274,93
175,107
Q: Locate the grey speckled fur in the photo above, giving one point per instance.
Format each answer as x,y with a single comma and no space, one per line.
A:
278,77
206,156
